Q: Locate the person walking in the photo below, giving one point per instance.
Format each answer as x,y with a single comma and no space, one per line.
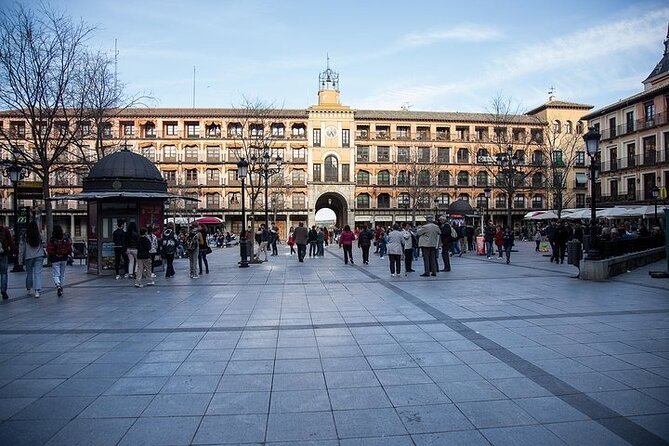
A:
131,241
203,250
153,238
274,239
59,249
291,241
143,259
508,239
193,249
395,246
489,238
6,249
320,242
499,241
33,258
313,241
301,236
365,242
428,239
168,248
383,248
562,234
262,234
120,255
537,239
346,239
446,238
410,244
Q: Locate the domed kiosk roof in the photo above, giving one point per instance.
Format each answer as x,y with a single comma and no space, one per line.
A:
460,207
124,171
125,164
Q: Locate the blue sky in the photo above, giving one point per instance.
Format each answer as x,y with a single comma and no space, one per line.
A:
431,55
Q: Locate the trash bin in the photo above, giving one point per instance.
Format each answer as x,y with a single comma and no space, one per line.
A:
574,252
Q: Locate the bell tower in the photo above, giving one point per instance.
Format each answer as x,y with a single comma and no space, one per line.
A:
328,86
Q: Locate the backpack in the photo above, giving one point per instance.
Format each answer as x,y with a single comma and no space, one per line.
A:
193,242
169,243
62,248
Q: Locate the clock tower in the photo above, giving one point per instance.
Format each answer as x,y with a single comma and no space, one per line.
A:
331,151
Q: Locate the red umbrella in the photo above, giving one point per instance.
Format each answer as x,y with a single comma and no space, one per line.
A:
209,221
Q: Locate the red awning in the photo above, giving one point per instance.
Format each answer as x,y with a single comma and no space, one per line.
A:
209,221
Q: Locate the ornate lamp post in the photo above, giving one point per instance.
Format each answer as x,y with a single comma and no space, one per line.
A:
591,139
262,167
15,172
436,209
655,192
242,171
486,192
507,162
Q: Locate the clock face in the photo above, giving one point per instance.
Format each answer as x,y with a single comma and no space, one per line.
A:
331,131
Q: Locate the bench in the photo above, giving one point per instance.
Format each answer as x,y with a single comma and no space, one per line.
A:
599,270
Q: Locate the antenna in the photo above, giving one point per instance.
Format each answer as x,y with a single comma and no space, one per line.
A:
551,92
115,66
406,106
193,86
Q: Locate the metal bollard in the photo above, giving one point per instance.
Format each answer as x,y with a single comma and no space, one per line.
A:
574,252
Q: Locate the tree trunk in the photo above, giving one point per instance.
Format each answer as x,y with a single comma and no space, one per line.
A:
509,216
47,208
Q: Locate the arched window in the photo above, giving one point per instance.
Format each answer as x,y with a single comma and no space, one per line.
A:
362,178
537,158
500,201
213,200
463,156
383,178
538,180
482,179
464,197
443,200
481,201
520,156
423,178
537,201
299,200
403,178
362,201
149,152
383,201
403,200
579,127
567,127
331,168
557,127
424,201
297,177
519,201
463,178
444,178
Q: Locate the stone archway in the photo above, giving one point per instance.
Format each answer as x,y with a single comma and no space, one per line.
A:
338,204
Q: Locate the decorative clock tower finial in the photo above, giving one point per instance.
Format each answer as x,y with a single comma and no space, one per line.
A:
328,79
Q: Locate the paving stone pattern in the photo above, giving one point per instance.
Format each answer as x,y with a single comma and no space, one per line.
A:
322,353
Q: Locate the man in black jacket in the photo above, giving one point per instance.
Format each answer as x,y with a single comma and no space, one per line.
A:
446,241
365,242
120,254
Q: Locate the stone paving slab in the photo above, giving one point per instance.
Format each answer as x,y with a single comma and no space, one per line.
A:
322,353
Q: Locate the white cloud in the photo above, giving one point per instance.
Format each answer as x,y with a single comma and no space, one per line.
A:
466,32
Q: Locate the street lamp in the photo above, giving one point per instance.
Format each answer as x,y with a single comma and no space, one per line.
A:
507,163
242,171
655,192
15,172
486,193
262,167
591,139
436,209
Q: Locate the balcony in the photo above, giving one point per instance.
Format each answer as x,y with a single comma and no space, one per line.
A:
443,136
213,182
423,136
362,134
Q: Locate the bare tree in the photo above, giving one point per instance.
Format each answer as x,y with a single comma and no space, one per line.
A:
509,164
416,174
43,81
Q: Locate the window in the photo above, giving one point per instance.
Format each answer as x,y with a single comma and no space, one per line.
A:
482,179
443,200
579,158
213,176
169,153
278,130
581,180
481,133
382,131
213,153
567,127
192,129
579,127
444,155
537,136
423,178
403,200
423,133
18,129
649,112
190,153
298,177
537,202
462,133
423,154
128,128
629,121
520,156
402,154
331,168
190,204
403,132
191,175
463,156
362,154
235,130
557,127
403,178
256,130
558,159
345,173
362,177
538,158
232,176
383,154
443,133
298,155
213,200
149,152
649,153
580,200
213,130
346,138
444,178
500,201
106,130
298,131
613,156
317,172
463,178
171,129
538,180
631,155
383,201
614,189
518,135
383,178
424,201
362,201
317,137
149,130
299,200
612,127
170,176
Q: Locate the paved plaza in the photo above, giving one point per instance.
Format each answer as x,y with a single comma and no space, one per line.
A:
322,353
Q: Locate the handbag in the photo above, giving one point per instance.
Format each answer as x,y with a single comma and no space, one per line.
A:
209,249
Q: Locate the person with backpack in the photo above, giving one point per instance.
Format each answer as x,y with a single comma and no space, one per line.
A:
168,248
365,238
202,250
59,249
6,248
120,255
33,258
143,259
131,241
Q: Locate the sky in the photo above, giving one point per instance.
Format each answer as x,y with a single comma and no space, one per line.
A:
425,55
